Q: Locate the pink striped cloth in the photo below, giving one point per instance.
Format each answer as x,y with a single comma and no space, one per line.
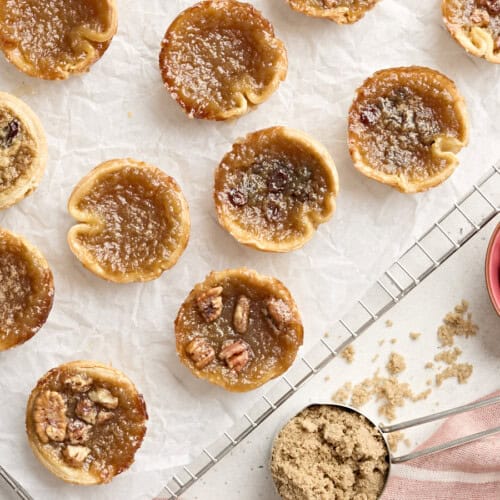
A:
469,472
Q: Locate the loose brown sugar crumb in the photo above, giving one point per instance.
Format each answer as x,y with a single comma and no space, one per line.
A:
393,341
389,323
429,365
457,323
407,443
394,438
327,378
422,395
396,364
342,394
375,358
326,335
449,357
348,354
415,335
428,381
381,342
462,372
327,453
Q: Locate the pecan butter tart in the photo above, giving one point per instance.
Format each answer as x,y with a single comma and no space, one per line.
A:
274,188
238,329
53,39
26,290
220,57
133,221
406,126
475,25
85,421
340,11
23,150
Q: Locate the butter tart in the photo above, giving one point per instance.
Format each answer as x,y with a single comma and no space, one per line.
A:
340,11
85,421
220,57
274,188
475,25
57,38
406,126
23,150
133,221
26,290
238,329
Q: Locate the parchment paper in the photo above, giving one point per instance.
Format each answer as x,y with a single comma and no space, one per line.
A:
120,109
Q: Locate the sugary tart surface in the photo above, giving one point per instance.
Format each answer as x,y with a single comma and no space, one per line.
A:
219,57
238,329
85,421
53,39
340,11
475,24
274,188
23,150
26,290
133,221
405,126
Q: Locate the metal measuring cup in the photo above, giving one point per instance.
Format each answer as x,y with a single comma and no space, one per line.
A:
387,429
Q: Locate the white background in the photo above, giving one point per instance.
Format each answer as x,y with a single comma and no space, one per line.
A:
121,109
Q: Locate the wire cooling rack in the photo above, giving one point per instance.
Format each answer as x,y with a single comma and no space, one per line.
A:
465,219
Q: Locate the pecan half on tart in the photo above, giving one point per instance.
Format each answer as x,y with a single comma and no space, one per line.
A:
274,188
26,290
340,11
23,150
57,38
85,421
406,126
221,57
238,329
133,221
475,25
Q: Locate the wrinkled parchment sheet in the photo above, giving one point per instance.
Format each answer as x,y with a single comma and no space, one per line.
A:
120,109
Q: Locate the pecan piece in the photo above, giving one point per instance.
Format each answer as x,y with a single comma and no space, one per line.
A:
104,398
78,432
480,17
104,416
200,352
9,133
49,414
236,354
277,314
210,304
79,382
492,6
241,314
86,410
76,455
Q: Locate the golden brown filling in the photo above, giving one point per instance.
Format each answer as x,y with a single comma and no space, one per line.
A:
140,218
268,188
481,13
46,32
214,53
397,120
92,425
238,331
16,149
25,292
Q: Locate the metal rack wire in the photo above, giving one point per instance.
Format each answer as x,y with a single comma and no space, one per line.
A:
441,241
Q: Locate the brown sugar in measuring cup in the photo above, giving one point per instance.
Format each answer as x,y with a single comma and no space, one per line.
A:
334,451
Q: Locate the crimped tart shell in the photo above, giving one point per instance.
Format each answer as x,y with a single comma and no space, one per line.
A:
99,372
25,152
296,147
162,197
22,268
344,12
476,40
249,63
189,324
442,147
86,44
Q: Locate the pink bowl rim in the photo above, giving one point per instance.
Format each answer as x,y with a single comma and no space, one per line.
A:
495,238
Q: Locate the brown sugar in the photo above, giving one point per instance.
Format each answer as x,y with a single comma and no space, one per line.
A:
342,394
393,440
462,372
396,364
449,357
457,323
415,335
389,323
326,452
348,354
429,365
